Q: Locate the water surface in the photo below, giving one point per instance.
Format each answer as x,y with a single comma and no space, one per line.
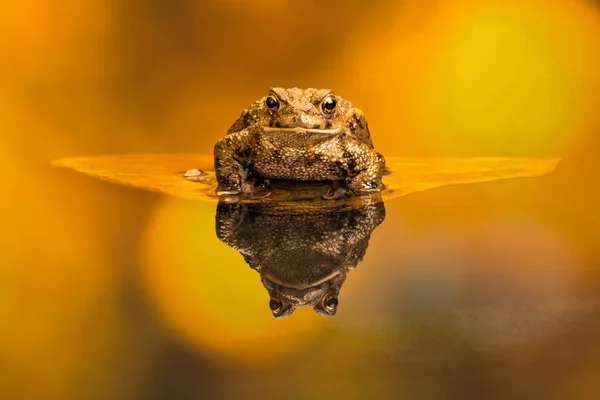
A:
455,292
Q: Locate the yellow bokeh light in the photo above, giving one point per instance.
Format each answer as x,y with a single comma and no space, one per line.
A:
512,78
207,293
479,78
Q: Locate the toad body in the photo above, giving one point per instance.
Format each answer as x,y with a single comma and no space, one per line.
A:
299,134
303,257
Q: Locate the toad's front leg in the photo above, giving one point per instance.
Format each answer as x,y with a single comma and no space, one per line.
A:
232,159
365,167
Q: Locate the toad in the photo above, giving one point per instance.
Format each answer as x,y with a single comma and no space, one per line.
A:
303,135
302,256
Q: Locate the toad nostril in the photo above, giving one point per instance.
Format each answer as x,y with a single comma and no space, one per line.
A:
294,119
306,119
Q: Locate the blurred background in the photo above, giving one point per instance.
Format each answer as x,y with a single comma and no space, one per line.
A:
484,290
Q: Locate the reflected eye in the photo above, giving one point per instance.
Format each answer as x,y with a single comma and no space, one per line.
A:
275,305
328,104
272,102
331,303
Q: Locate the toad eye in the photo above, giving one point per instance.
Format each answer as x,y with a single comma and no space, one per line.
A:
331,303
328,104
275,305
272,102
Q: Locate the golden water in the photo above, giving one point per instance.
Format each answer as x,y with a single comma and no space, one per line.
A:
165,173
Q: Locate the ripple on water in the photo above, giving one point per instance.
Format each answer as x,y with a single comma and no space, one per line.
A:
192,176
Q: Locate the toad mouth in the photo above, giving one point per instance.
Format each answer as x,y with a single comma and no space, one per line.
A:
299,286
300,129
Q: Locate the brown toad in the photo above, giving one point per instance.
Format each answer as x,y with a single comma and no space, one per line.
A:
297,134
303,257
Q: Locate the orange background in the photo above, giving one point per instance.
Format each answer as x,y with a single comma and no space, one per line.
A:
434,78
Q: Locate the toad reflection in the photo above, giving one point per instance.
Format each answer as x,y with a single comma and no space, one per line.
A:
302,256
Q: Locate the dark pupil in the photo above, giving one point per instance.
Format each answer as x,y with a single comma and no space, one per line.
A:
332,302
274,305
271,102
329,104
